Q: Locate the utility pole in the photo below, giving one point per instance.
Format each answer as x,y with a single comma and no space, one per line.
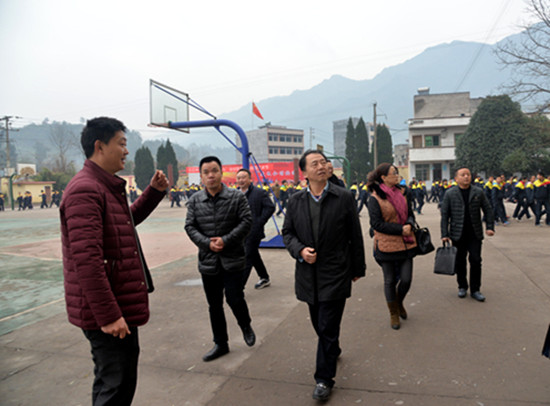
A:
375,149
7,120
311,137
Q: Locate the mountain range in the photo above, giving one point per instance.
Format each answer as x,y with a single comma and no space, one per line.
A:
447,68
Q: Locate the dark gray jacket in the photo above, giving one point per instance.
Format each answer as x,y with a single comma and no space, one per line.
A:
262,208
340,250
227,215
452,213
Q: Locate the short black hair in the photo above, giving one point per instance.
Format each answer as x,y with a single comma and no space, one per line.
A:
244,170
99,128
462,167
210,158
302,162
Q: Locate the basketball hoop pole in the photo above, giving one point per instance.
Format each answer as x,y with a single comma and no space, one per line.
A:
218,123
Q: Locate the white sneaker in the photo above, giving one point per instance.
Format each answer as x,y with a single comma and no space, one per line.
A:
262,283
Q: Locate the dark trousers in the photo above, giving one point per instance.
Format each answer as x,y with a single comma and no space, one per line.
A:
362,201
326,318
472,247
115,367
420,205
539,204
253,259
520,207
525,210
500,211
397,278
282,202
214,287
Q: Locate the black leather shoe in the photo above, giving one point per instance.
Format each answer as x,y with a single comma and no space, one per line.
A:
478,296
216,352
461,293
249,336
322,391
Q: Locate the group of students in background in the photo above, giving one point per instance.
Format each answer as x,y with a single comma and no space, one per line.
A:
530,194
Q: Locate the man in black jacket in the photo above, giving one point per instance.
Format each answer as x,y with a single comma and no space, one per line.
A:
322,232
262,208
218,220
461,222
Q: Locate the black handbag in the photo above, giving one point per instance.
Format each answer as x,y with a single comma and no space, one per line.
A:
546,346
423,240
445,258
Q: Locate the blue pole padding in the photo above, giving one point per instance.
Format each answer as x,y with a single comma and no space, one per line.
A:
218,123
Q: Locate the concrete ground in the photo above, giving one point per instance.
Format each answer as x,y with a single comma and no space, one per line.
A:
450,351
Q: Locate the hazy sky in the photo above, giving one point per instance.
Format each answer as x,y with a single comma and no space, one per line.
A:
66,59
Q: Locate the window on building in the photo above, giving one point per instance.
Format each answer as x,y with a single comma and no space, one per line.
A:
271,150
298,138
431,141
417,141
422,171
270,137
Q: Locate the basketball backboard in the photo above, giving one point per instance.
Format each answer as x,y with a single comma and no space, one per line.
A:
167,105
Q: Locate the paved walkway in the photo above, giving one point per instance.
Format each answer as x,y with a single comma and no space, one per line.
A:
450,351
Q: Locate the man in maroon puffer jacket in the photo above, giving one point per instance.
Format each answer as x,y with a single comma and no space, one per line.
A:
106,278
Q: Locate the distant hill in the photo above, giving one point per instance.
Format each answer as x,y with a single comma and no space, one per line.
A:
447,68
454,67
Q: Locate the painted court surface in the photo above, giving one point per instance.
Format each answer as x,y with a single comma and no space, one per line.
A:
449,351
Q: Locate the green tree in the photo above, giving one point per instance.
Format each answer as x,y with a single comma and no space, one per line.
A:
362,156
170,156
536,146
351,151
496,129
384,143
144,167
61,179
162,162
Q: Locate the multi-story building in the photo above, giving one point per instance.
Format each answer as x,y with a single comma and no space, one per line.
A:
439,121
340,130
275,143
401,155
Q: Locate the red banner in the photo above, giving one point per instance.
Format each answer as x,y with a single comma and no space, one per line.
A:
273,171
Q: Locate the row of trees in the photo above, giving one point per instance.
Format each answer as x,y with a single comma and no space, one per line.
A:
360,152
144,164
502,139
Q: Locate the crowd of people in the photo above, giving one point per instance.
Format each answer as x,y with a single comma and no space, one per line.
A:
107,280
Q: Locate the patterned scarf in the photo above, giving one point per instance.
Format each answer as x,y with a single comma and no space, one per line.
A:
398,201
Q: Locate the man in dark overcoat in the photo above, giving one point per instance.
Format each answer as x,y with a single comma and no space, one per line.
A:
262,208
322,232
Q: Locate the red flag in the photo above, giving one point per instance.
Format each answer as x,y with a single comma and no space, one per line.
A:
256,111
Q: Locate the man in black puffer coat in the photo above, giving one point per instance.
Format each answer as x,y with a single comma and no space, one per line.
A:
461,223
218,221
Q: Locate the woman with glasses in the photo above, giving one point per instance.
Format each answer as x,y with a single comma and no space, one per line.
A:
392,220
